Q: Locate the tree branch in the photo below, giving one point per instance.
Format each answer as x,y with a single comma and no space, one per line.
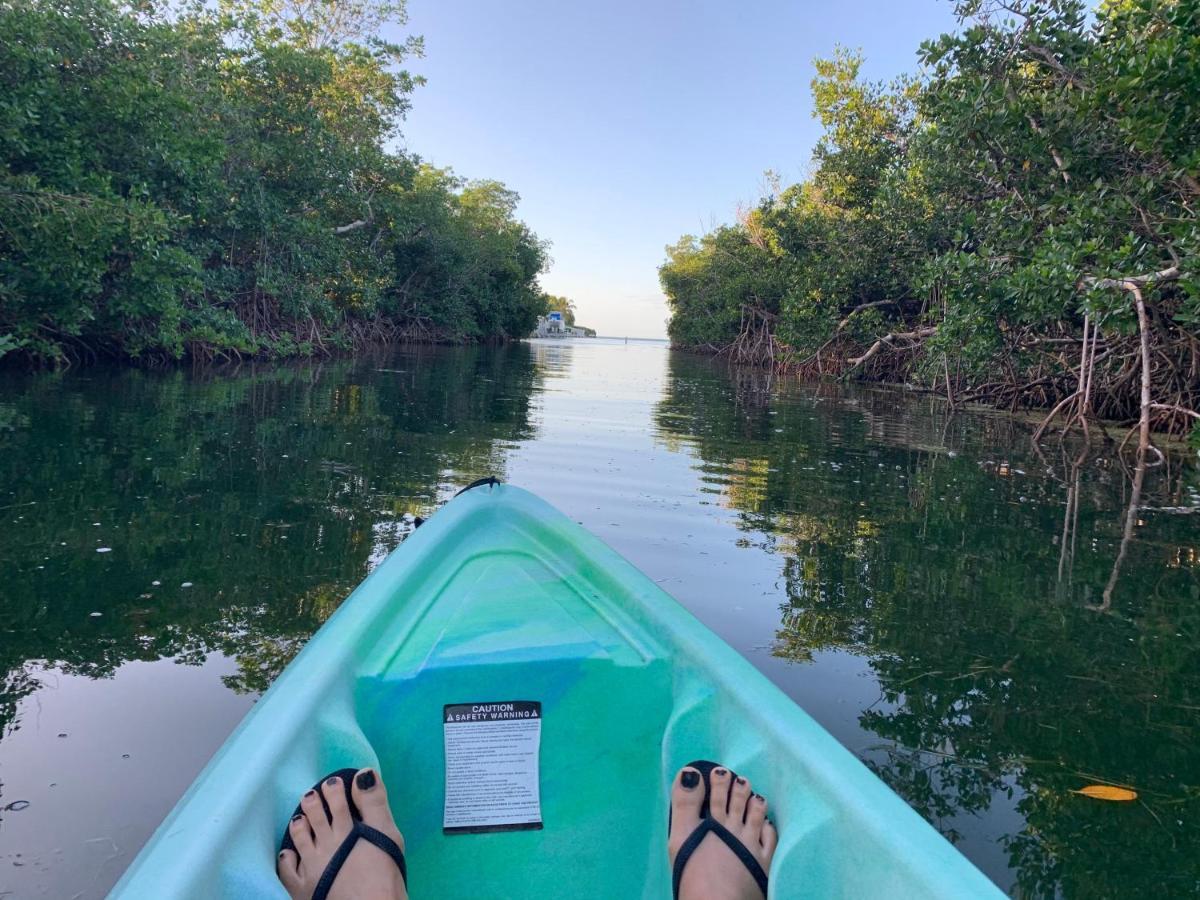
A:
887,339
1171,407
353,226
1171,274
845,320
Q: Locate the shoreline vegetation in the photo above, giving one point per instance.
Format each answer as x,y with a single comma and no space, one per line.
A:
1016,226
221,181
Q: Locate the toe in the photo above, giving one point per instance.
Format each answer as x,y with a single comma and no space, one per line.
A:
687,796
339,809
770,838
739,799
302,836
288,867
370,795
756,814
718,800
314,810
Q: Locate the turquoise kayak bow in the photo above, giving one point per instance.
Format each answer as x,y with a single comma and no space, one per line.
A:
501,603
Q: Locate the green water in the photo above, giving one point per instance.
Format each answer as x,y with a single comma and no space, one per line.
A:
987,628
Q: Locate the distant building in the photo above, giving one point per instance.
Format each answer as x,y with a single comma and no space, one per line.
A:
553,325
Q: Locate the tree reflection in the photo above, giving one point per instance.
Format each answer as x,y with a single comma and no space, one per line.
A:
271,492
936,548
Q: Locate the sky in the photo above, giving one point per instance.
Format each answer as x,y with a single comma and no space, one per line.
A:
625,125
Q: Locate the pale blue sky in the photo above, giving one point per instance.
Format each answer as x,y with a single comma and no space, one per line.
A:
624,125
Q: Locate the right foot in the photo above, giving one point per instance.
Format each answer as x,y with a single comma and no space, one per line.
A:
714,872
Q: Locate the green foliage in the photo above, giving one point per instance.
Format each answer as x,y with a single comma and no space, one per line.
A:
462,262
851,238
711,282
1052,146
217,182
321,24
964,220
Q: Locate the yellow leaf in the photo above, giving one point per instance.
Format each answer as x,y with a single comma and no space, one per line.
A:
1025,165
1106,792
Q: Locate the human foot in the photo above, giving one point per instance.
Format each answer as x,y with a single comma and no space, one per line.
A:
712,869
371,871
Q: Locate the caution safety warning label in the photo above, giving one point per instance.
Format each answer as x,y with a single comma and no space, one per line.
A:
492,766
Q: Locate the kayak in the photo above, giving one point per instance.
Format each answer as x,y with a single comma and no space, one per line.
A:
499,622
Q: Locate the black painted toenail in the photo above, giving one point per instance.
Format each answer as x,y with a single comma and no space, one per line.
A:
310,793
741,780
365,780
331,782
720,772
689,780
297,817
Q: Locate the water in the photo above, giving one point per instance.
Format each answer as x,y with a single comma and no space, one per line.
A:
939,597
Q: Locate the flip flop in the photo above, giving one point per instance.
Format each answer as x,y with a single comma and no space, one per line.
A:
360,831
709,824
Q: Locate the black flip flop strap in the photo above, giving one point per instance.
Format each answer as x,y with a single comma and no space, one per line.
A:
739,849
371,836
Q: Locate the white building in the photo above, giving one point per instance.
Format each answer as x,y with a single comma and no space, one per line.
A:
554,326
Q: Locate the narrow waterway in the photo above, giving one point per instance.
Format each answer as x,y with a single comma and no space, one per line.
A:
986,627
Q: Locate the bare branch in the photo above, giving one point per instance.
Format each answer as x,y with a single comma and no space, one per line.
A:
353,226
1131,281
887,340
1172,408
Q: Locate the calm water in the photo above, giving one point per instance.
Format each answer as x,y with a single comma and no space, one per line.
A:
955,609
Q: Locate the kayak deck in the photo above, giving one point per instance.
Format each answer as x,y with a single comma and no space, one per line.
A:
500,597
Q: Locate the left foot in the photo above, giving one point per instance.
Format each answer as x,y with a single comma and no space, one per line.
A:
368,873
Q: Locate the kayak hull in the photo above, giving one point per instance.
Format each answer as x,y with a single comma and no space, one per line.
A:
500,597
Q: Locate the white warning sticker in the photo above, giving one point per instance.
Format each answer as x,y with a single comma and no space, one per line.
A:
492,766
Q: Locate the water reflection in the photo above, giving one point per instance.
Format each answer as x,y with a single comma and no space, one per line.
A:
167,533
153,515
954,608
1017,658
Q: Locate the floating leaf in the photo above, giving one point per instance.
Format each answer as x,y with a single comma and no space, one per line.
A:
1106,792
